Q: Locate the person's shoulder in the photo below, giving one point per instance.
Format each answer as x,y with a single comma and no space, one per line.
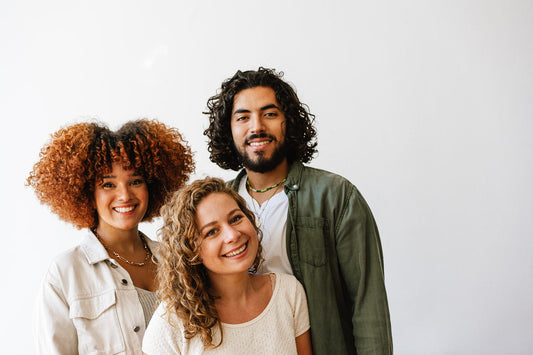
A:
71,256
234,183
288,278
162,312
165,333
322,173
289,283
68,264
320,178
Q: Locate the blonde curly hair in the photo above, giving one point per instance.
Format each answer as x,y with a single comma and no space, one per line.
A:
182,278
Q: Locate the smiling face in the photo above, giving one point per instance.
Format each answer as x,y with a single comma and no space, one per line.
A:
229,240
258,129
121,200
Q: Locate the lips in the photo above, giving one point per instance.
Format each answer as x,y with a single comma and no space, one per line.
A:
237,251
259,140
125,209
256,144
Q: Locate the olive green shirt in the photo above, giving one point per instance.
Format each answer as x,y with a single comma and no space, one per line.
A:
335,252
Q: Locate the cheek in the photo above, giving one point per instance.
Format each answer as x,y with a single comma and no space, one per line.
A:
203,251
282,128
254,238
237,134
98,201
145,195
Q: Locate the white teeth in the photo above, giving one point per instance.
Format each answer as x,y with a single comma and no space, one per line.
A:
124,209
237,252
255,144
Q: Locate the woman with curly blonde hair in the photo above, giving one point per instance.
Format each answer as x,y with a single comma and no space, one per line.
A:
212,300
99,296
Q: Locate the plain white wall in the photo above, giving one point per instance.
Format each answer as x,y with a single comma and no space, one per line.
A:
426,106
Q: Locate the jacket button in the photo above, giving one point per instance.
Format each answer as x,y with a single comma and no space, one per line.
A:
124,281
136,329
114,266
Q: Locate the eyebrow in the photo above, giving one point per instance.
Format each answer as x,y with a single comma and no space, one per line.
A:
243,110
114,177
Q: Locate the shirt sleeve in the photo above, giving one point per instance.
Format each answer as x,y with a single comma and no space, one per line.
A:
53,329
160,337
301,313
361,261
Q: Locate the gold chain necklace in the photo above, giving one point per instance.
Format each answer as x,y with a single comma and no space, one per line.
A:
146,249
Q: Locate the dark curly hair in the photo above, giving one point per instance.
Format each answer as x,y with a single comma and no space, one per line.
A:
300,135
182,278
78,156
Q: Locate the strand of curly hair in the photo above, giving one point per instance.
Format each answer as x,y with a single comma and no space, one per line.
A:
182,278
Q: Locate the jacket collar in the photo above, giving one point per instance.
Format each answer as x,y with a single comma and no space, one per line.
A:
293,178
92,248
95,252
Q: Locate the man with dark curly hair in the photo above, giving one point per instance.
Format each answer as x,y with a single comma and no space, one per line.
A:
320,229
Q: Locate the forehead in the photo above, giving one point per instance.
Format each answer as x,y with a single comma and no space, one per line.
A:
254,98
118,168
216,205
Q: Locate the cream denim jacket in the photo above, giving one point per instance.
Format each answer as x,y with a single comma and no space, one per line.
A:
88,304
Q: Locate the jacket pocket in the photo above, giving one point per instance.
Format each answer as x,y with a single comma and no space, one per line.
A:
312,240
96,321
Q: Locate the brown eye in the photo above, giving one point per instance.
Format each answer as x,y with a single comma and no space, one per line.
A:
137,182
235,219
210,233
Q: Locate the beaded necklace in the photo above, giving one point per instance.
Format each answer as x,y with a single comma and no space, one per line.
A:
264,190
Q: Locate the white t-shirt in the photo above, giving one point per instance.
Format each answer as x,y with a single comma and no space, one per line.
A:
273,217
273,332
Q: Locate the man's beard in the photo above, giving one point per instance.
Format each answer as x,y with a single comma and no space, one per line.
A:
262,164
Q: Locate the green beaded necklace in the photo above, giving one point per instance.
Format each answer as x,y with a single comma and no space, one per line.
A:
267,189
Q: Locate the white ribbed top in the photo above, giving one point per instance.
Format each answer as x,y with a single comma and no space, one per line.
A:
149,303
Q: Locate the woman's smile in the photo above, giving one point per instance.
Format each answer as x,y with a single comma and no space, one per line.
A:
237,251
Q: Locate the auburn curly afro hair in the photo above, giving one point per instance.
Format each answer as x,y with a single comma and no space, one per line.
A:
78,156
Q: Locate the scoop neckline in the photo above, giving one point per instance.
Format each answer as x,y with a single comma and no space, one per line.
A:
265,311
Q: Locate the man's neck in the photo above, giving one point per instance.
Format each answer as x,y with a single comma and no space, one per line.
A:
260,181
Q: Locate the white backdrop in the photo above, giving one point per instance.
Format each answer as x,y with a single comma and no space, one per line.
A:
427,106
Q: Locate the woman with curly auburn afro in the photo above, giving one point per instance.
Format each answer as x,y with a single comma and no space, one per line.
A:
212,300
99,296
300,135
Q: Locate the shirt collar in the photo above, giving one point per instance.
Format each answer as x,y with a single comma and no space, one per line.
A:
293,178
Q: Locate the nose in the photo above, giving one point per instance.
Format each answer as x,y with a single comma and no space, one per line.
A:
231,235
256,124
124,192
